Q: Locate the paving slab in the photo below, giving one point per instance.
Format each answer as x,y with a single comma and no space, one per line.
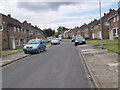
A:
103,64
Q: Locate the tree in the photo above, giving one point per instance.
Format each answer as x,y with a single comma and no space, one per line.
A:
48,32
62,28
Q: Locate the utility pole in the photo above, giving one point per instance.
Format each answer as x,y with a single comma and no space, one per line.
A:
101,25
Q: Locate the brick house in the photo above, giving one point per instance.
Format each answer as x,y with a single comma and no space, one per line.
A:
90,27
16,34
13,34
96,33
113,26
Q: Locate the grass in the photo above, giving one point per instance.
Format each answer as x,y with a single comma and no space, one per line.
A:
111,45
13,49
9,53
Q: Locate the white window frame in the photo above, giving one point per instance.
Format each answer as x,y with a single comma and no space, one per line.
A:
14,29
18,42
117,18
31,32
116,34
25,30
18,29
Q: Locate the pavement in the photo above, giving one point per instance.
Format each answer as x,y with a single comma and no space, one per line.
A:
58,67
14,57
102,64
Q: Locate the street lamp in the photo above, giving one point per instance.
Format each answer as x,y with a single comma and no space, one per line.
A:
101,25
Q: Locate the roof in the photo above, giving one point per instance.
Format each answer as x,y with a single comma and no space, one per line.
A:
9,20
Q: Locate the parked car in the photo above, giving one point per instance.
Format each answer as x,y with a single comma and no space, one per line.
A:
60,38
79,40
73,38
55,41
34,46
46,40
49,39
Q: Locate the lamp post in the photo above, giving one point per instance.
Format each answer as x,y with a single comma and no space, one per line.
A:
101,25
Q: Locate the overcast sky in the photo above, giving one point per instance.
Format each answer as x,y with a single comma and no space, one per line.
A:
46,14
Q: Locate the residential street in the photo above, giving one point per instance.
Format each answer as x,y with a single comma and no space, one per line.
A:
58,67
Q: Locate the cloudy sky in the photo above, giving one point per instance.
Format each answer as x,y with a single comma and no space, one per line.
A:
55,13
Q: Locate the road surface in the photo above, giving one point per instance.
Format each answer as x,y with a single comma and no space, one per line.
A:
58,67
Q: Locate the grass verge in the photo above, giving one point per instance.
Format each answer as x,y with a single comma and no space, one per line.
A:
111,45
9,53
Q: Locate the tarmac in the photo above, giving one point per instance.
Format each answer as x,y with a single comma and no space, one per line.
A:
102,65
6,60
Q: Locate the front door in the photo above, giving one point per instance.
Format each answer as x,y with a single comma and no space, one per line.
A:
13,44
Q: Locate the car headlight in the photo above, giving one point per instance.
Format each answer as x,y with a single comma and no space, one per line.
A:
24,47
83,39
76,41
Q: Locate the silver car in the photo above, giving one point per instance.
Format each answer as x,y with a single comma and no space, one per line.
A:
55,41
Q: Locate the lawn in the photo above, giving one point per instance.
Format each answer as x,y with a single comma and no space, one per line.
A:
10,52
111,45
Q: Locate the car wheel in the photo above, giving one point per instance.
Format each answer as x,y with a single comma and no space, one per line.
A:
75,44
45,49
39,51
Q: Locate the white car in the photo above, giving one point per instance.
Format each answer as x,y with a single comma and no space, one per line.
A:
55,41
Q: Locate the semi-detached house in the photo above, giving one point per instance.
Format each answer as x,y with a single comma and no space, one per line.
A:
113,26
14,33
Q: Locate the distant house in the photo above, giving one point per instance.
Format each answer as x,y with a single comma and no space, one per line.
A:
113,26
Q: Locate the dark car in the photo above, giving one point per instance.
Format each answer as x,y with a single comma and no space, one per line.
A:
79,40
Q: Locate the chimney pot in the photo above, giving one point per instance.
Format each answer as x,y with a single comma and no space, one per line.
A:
9,15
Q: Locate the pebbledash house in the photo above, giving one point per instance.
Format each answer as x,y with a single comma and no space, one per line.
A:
14,33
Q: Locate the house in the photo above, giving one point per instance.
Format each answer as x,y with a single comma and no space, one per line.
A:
12,34
90,28
34,31
113,26
15,34
96,32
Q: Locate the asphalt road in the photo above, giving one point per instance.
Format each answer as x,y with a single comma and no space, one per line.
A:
58,67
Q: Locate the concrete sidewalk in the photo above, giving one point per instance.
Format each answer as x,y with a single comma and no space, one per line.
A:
103,65
14,57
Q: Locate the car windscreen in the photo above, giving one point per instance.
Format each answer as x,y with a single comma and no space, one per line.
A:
34,41
79,38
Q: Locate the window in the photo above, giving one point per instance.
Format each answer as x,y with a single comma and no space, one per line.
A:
115,32
18,29
14,29
17,42
117,18
31,32
24,30
1,28
107,23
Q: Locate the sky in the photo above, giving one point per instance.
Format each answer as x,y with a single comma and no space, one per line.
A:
54,13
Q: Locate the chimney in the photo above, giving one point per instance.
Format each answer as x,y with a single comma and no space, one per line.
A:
25,22
9,15
29,23
110,10
104,14
95,19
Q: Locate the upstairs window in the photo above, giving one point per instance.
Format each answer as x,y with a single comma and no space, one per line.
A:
18,29
31,32
14,29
